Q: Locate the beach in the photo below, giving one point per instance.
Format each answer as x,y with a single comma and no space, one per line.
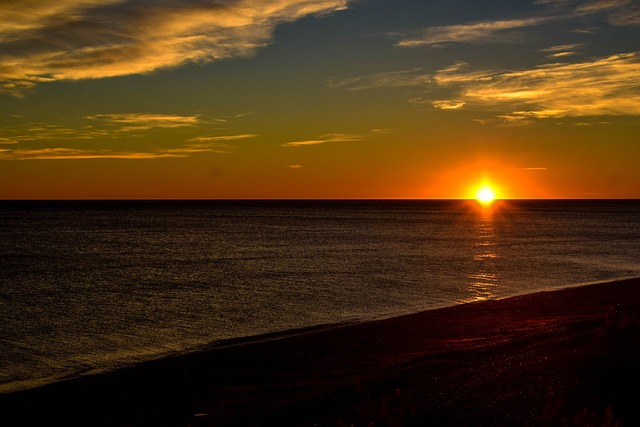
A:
561,357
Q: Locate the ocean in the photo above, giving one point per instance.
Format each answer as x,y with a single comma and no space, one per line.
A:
92,286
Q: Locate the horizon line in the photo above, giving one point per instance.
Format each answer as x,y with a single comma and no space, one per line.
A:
319,199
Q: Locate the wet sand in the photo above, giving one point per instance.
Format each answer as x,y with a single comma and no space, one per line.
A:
565,357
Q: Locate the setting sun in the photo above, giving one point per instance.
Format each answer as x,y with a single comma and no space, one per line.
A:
485,195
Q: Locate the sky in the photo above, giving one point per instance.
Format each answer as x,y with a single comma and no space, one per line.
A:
300,99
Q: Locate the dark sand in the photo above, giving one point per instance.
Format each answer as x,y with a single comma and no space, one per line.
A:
567,357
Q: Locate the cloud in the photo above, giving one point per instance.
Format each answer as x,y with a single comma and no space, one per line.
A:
296,166
557,3
100,126
474,32
395,79
145,121
448,105
43,41
618,12
77,154
193,149
43,132
601,5
626,17
604,86
561,51
459,73
599,86
223,138
66,153
103,128
331,137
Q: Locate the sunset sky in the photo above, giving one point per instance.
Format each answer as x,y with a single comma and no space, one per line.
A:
319,99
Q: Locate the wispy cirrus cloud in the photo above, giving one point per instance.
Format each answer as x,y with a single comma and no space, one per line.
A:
221,138
44,132
46,141
43,41
100,126
601,5
627,17
449,104
330,137
189,149
145,121
393,79
617,12
67,153
561,51
473,32
600,86
577,87
556,3
603,86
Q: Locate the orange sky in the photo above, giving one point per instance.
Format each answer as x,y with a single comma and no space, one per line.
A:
319,99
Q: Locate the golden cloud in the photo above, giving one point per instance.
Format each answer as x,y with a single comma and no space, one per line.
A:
618,12
223,138
602,5
474,32
600,86
145,121
44,41
331,137
402,78
448,105
65,153
105,127
62,153
604,86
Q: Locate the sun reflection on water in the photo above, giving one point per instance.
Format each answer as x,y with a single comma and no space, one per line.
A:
483,280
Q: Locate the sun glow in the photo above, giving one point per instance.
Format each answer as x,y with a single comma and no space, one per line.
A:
485,195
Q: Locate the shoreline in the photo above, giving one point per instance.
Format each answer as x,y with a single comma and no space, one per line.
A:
524,359
268,336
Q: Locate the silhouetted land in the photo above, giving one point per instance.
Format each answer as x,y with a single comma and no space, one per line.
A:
567,357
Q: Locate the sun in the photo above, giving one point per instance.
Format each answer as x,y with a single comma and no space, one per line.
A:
485,195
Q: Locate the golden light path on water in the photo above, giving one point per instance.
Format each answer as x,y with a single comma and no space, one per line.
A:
483,281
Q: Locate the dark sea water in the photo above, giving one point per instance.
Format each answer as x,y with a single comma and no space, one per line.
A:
92,286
